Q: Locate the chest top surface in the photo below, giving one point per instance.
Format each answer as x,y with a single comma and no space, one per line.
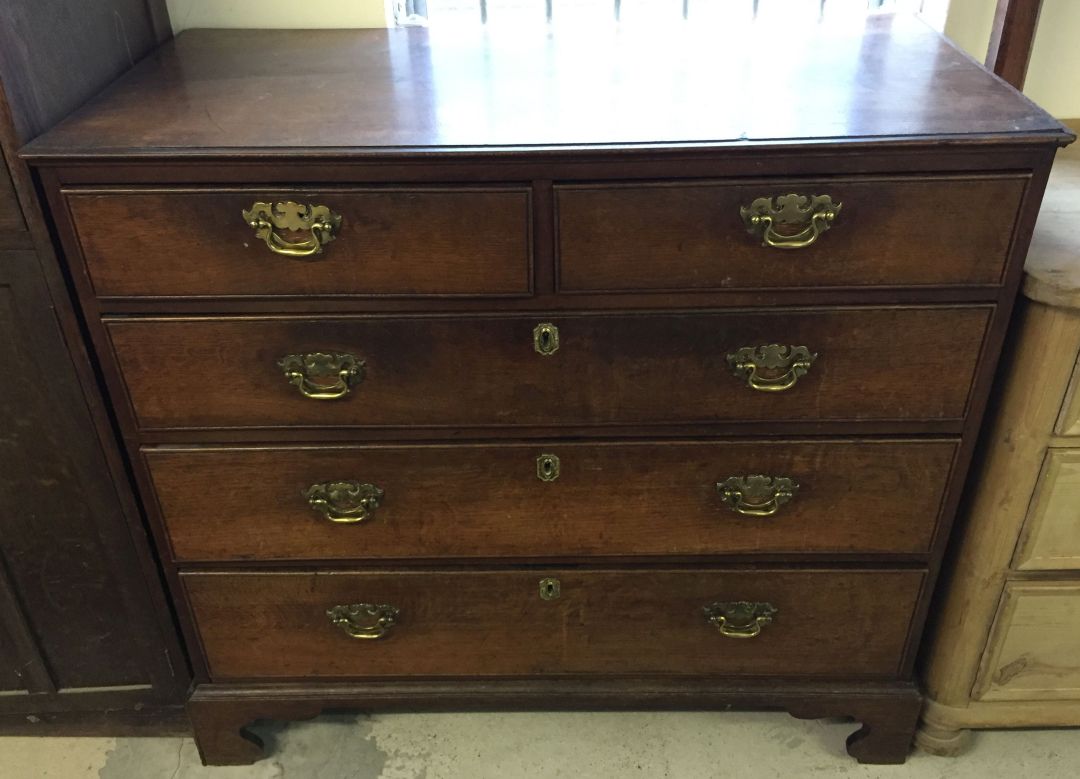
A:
230,92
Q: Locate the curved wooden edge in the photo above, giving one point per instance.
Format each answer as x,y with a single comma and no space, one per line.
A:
221,714
1057,286
979,715
887,724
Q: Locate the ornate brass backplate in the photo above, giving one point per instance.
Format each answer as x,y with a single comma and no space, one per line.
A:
546,339
363,620
756,495
740,619
344,502
790,221
267,219
772,367
547,467
322,376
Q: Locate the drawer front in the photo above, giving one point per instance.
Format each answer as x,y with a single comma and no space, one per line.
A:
550,500
887,232
389,242
526,623
1051,536
1034,647
1069,420
438,372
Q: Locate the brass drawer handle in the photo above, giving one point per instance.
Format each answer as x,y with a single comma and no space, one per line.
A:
810,215
344,502
740,619
756,496
363,620
546,339
771,368
267,218
322,376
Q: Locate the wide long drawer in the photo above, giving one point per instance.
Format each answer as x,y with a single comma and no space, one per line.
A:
330,242
857,232
849,623
515,371
550,500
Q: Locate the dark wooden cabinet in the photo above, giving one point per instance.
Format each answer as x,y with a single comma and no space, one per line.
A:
74,578
87,641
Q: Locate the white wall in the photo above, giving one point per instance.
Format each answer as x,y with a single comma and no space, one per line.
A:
1053,79
186,14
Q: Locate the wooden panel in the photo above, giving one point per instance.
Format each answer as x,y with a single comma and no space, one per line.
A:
894,363
891,232
494,623
391,242
411,89
1051,535
57,54
608,500
63,537
1034,647
1069,422
11,218
1012,38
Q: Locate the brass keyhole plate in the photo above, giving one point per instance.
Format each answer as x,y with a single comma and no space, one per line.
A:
550,589
547,467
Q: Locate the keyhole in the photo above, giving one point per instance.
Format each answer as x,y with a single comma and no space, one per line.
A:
549,589
547,467
546,338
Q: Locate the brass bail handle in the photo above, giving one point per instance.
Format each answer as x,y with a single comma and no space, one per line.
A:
269,220
772,367
756,495
364,620
344,502
323,376
809,215
740,619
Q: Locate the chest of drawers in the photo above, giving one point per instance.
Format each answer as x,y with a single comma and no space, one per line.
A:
456,377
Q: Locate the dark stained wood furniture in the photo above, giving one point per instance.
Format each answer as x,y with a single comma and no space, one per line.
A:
87,639
578,437
1012,38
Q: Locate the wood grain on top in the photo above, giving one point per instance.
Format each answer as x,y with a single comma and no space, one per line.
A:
228,91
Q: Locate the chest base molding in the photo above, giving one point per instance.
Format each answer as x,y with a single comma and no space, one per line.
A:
886,712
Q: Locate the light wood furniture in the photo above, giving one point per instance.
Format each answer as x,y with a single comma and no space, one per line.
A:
1005,650
457,374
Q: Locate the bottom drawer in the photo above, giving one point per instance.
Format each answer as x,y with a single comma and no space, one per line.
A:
522,623
1034,647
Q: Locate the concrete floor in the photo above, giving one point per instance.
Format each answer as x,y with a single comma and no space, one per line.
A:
544,746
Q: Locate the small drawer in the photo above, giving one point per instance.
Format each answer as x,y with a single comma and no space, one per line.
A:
550,500
1051,535
892,232
397,242
514,371
843,623
1034,648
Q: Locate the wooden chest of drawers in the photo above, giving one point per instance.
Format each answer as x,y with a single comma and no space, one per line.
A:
439,401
